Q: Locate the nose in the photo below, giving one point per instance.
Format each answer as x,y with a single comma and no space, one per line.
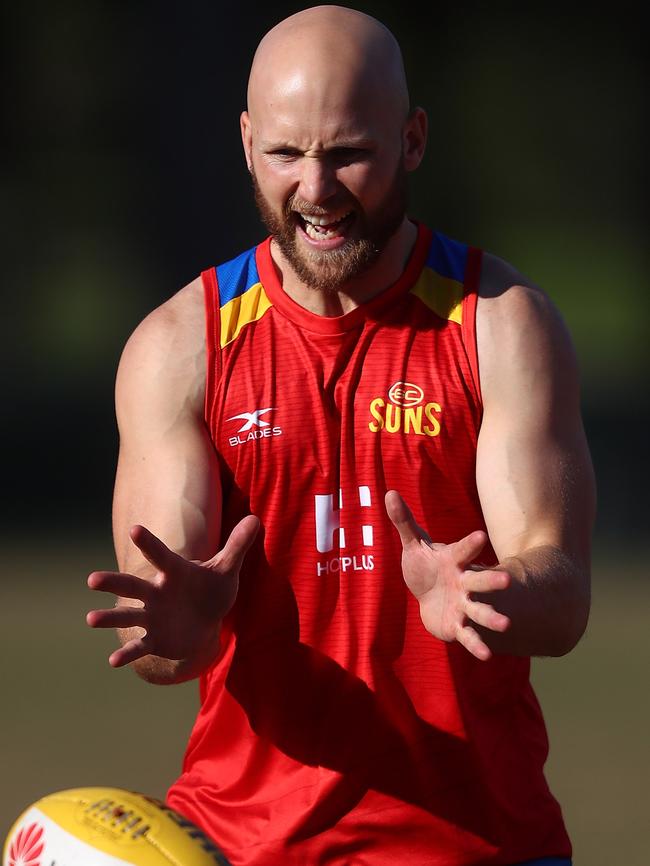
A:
318,181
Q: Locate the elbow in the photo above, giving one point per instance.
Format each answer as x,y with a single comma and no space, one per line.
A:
573,627
163,672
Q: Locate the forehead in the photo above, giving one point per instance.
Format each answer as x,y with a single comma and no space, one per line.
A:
300,107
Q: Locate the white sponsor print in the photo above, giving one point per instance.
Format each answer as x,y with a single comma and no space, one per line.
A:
252,418
328,522
254,427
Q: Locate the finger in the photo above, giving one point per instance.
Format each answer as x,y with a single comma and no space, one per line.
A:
402,519
152,548
125,585
485,615
486,581
231,556
130,652
468,548
469,638
123,616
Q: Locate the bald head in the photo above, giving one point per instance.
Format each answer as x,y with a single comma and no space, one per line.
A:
334,56
328,136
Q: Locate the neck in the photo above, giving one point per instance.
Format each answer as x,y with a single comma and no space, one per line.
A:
385,271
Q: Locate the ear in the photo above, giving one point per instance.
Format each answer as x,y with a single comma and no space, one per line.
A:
414,138
247,138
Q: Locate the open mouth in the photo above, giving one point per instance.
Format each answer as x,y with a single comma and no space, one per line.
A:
323,228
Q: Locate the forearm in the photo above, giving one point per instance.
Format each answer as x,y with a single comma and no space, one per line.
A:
547,602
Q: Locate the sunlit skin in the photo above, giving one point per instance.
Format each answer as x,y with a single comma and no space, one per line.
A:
328,133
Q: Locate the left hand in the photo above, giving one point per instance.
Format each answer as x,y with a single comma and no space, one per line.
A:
439,577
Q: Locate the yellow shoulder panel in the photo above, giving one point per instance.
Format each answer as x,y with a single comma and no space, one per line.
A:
442,295
242,310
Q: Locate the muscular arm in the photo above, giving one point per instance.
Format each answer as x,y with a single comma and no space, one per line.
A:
536,487
167,480
167,469
534,473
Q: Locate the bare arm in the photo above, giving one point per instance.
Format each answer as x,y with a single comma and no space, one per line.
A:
534,473
536,487
167,468
173,589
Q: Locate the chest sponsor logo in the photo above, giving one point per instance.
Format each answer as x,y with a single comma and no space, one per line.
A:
406,410
254,427
328,526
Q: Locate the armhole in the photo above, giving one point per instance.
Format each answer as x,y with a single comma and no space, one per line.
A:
212,343
468,327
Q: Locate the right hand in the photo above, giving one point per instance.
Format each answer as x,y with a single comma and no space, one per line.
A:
181,606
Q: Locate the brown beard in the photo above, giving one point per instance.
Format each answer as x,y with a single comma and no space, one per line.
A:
329,270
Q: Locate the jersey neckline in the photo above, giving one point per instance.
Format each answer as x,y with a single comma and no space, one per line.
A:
371,309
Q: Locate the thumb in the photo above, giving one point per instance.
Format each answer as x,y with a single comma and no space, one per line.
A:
403,520
231,556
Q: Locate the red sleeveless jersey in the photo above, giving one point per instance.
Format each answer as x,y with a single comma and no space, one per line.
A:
333,728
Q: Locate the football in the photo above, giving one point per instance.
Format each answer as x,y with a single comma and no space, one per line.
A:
106,827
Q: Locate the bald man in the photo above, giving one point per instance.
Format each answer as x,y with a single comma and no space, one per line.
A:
383,425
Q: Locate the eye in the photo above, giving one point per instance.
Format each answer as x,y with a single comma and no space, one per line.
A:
284,153
348,155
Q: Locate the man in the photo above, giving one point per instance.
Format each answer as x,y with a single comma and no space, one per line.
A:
363,381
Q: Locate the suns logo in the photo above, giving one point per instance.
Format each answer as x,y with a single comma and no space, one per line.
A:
26,848
405,410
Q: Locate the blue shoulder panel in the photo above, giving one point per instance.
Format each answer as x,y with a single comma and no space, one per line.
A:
447,257
236,276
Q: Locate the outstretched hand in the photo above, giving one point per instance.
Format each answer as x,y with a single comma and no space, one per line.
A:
439,577
181,606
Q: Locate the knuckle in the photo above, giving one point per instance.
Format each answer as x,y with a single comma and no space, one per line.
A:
159,581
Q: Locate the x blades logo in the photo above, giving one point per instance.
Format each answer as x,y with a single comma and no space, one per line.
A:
254,426
251,418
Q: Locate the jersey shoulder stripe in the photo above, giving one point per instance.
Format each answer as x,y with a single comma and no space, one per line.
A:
440,294
236,276
241,311
441,285
447,257
242,298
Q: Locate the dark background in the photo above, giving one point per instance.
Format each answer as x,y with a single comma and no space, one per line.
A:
122,177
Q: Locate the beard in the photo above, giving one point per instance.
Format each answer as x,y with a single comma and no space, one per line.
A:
329,270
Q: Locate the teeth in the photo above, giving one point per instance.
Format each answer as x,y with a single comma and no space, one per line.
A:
319,235
323,220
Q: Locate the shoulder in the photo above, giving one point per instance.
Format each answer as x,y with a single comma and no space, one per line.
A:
178,319
166,351
521,335
507,297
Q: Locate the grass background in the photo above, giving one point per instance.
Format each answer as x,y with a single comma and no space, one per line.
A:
71,721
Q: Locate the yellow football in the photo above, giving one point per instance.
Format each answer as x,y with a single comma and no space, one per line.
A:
106,827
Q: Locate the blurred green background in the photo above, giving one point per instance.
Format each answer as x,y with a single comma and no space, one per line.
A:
122,178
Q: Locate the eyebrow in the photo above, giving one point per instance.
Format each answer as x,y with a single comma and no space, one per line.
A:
343,144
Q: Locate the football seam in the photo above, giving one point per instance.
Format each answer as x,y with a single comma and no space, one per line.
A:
165,853
75,800
153,842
